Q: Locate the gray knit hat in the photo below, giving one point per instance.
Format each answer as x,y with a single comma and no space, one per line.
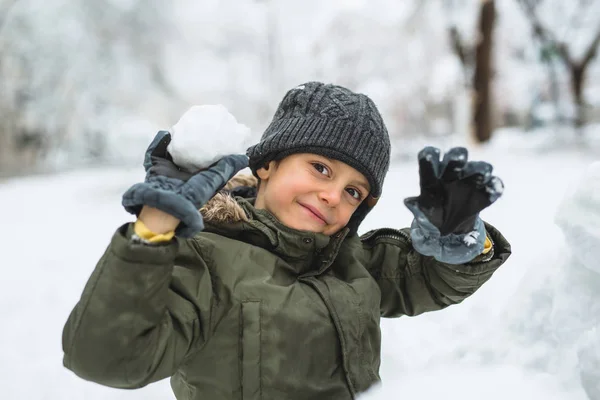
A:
331,121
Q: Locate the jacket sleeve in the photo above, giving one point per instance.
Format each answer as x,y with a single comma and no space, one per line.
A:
412,284
139,315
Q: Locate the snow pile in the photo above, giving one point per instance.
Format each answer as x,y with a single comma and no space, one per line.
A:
204,134
579,218
472,383
551,324
575,315
531,332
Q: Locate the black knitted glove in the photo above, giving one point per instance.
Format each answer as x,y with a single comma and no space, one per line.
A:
453,192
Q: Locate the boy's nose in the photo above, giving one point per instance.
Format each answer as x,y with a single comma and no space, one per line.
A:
331,196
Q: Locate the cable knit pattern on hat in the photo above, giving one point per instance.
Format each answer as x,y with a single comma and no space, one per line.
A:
331,121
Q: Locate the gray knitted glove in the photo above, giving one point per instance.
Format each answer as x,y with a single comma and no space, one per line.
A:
177,192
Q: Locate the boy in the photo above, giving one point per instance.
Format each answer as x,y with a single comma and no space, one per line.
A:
271,294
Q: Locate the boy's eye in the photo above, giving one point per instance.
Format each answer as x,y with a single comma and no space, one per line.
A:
354,193
321,168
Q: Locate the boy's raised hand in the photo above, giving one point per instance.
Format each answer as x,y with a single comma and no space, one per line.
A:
453,192
175,191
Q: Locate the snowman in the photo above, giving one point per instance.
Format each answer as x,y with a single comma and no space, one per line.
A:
575,312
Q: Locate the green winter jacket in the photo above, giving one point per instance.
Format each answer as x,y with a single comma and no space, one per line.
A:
254,310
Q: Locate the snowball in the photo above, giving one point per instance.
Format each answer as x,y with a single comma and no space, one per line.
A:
204,134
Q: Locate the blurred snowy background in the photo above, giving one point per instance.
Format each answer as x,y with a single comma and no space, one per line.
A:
84,85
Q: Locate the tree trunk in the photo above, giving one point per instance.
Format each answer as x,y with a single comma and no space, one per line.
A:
482,107
577,82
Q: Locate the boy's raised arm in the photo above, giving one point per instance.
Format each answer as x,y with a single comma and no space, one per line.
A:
449,252
142,311
412,283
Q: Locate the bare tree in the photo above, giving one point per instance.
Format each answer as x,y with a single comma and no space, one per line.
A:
482,107
5,7
577,67
19,146
68,70
463,52
477,68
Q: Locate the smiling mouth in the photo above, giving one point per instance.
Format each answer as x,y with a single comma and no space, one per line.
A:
314,214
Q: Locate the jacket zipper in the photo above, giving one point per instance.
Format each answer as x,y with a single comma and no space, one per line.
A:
389,233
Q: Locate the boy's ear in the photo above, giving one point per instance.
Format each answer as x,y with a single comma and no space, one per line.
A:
265,172
371,201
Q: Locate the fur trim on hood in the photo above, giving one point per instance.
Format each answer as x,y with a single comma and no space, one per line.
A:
223,208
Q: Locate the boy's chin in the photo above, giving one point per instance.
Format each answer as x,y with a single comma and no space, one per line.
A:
304,226
302,223
314,228
299,224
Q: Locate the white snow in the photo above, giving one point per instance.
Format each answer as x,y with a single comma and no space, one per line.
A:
497,186
579,218
526,334
204,134
471,238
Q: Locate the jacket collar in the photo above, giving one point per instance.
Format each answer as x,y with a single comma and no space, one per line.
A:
235,217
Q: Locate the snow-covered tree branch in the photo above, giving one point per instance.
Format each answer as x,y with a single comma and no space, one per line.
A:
562,46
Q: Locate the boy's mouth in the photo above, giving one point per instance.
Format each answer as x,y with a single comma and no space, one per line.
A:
315,213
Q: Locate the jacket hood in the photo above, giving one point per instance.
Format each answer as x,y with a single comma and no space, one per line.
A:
224,208
232,213
578,216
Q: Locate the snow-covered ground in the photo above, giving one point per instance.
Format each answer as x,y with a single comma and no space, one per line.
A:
498,344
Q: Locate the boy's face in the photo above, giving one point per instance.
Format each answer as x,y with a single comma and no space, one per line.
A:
310,192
